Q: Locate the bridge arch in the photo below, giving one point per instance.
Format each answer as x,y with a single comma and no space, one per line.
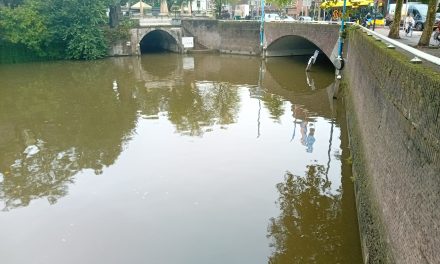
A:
301,37
157,40
290,45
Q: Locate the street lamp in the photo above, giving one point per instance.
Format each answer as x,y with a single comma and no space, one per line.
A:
341,35
262,24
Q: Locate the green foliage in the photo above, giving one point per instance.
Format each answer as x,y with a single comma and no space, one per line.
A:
24,25
71,29
219,3
282,3
86,44
122,32
12,3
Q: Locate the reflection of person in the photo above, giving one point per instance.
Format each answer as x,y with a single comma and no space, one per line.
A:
303,126
310,140
306,140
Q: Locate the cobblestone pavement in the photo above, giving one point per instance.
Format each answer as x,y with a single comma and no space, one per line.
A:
412,41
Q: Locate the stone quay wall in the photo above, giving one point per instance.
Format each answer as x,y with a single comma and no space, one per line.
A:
234,37
393,112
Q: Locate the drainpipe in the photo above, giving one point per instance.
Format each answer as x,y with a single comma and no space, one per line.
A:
341,33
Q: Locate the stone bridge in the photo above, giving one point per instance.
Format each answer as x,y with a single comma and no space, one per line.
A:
287,39
155,38
236,37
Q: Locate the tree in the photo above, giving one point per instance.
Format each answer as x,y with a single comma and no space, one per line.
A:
114,14
79,24
430,18
219,4
282,3
25,25
395,26
71,29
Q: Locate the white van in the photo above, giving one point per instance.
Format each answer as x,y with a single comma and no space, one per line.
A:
271,17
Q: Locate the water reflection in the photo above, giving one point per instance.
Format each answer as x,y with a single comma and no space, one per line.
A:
55,125
51,132
307,229
60,119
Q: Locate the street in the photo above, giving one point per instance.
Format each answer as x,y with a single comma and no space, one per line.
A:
412,41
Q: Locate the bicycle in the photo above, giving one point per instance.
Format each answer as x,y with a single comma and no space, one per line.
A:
409,30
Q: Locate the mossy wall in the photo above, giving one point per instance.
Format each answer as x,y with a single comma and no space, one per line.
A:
393,115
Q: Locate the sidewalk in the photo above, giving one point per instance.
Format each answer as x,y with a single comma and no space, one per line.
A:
412,41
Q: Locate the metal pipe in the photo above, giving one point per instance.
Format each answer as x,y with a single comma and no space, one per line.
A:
341,30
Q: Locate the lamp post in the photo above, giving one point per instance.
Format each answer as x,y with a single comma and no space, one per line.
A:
262,24
341,33
376,3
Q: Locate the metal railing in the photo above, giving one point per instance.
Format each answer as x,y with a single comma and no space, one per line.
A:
418,53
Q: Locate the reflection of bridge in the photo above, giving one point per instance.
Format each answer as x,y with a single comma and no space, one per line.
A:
238,37
274,78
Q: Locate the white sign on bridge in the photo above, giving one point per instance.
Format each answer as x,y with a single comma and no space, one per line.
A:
188,42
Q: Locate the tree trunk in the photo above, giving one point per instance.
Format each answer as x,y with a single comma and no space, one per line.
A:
163,8
190,7
427,30
218,5
384,8
114,16
395,26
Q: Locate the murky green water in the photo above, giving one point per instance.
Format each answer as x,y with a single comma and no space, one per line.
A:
174,159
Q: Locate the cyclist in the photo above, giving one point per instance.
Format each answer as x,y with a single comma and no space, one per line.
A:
408,25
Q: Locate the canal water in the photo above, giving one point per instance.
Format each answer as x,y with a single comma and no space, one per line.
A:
173,158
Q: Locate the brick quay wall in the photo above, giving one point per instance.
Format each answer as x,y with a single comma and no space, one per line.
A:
393,116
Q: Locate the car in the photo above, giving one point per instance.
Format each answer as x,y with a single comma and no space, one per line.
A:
287,18
305,19
419,12
271,17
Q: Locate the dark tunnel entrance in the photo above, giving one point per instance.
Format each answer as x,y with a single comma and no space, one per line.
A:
158,41
296,46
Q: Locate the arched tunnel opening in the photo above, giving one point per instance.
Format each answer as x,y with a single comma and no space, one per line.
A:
158,41
299,47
